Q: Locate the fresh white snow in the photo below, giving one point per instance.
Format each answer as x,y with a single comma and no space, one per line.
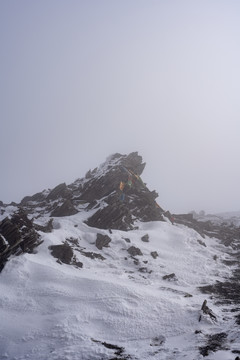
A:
52,311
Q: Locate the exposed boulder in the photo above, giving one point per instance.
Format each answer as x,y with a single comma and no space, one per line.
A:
134,251
154,254
60,190
66,209
145,238
63,253
102,241
170,277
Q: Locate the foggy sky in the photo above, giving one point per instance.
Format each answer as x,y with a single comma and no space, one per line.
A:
80,80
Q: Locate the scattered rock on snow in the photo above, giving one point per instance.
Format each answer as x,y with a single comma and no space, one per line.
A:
154,254
63,252
158,340
170,277
145,238
134,251
92,255
102,241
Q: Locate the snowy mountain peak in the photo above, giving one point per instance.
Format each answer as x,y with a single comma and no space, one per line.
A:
105,273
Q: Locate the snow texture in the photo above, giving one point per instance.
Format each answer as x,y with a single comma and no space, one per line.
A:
53,311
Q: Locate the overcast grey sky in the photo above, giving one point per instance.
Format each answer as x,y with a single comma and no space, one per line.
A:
80,80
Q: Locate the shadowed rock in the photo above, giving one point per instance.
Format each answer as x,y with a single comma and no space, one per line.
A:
60,190
154,254
134,251
66,209
145,238
63,252
17,236
170,277
102,241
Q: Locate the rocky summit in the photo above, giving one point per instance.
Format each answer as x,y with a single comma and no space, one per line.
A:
116,207
113,194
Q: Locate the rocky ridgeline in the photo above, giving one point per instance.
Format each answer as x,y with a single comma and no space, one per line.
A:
115,207
98,190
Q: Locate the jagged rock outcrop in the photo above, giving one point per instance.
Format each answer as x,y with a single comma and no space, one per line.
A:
60,191
100,189
125,195
17,235
64,254
102,241
114,190
134,251
66,209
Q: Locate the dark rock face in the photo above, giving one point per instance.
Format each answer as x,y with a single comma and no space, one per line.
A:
145,238
215,342
17,235
59,191
112,217
10,231
124,205
102,241
36,197
3,245
66,209
103,185
154,254
134,251
63,252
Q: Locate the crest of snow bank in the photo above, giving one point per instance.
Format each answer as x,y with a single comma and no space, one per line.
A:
52,311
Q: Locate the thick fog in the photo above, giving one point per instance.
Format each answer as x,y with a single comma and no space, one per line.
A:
81,80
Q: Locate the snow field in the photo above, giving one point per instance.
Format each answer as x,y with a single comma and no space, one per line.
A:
52,311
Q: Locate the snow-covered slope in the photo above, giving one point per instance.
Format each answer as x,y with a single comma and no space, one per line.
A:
97,270
117,308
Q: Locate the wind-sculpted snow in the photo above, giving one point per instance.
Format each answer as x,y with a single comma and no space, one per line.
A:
51,310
